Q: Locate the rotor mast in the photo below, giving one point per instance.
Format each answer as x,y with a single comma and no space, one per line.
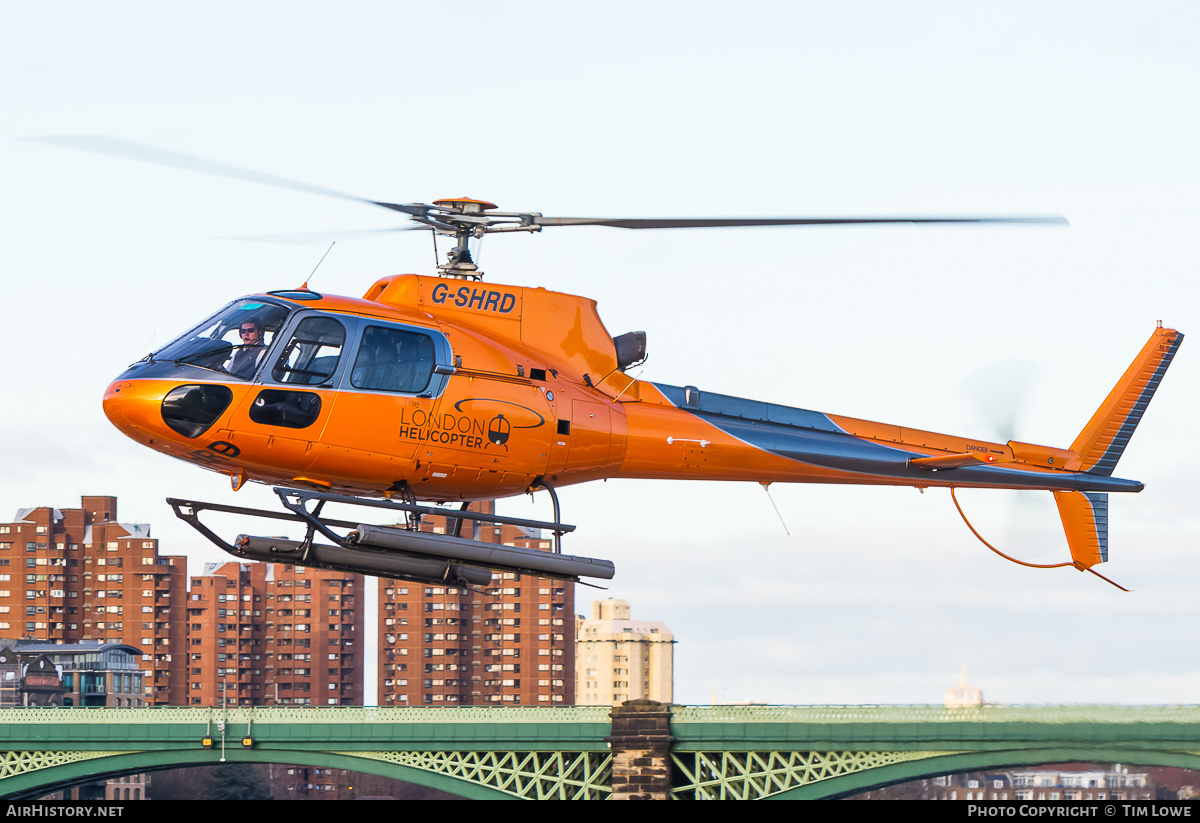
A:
464,218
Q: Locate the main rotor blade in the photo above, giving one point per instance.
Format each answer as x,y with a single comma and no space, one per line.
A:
148,154
712,223
309,237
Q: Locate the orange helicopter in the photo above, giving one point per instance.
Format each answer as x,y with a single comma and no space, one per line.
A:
443,388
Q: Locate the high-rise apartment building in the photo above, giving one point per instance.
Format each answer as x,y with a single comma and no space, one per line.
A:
619,659
510,644
73,575
271,633
263,633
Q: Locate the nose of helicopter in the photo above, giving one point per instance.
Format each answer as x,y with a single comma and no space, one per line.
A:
133,407
159,413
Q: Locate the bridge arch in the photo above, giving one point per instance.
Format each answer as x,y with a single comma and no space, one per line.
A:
937,766
76,772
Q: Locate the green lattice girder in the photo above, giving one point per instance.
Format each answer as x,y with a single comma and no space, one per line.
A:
758,775
525,775
15,764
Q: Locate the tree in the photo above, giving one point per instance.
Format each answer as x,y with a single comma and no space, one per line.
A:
237,781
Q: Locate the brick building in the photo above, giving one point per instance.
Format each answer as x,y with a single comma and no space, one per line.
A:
263,633
268,633
74,575
513,644
1070,782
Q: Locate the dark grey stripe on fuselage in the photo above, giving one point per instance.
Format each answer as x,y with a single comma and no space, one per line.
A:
816,440
740,408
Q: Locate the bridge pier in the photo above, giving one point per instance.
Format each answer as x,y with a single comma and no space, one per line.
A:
641,750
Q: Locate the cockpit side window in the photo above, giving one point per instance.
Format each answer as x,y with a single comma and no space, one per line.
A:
393,360
311,356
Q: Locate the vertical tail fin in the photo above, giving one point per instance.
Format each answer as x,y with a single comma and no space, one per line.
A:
1101,443
1104,438
1085,520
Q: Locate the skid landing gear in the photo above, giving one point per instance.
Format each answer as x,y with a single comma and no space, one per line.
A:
401,552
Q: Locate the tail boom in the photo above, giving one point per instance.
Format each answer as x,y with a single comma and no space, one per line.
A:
680,432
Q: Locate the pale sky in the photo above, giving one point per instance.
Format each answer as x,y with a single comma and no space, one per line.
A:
673,109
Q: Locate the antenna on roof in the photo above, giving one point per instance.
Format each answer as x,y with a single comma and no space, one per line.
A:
304,287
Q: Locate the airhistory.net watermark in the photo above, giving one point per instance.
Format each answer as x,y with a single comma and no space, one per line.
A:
61,810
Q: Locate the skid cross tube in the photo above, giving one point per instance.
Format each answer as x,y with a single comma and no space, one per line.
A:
189,512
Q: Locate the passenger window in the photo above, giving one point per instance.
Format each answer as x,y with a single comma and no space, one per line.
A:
393,360
294,409
311,356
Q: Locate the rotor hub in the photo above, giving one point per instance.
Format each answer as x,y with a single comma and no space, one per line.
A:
464,205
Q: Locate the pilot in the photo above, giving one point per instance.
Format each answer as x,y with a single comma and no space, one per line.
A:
245,360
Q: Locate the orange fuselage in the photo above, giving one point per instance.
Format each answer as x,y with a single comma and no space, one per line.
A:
523,387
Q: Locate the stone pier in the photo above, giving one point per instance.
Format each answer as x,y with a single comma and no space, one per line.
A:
641,749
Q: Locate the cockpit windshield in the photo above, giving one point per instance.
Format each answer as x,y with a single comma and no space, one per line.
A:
232,341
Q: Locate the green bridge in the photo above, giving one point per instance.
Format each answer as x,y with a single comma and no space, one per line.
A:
642,749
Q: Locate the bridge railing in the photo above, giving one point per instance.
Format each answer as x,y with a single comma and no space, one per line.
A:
936,714
307,714
832,715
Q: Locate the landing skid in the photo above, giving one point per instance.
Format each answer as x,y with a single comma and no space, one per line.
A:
401,552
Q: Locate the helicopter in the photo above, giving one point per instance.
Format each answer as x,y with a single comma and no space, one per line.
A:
441,388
